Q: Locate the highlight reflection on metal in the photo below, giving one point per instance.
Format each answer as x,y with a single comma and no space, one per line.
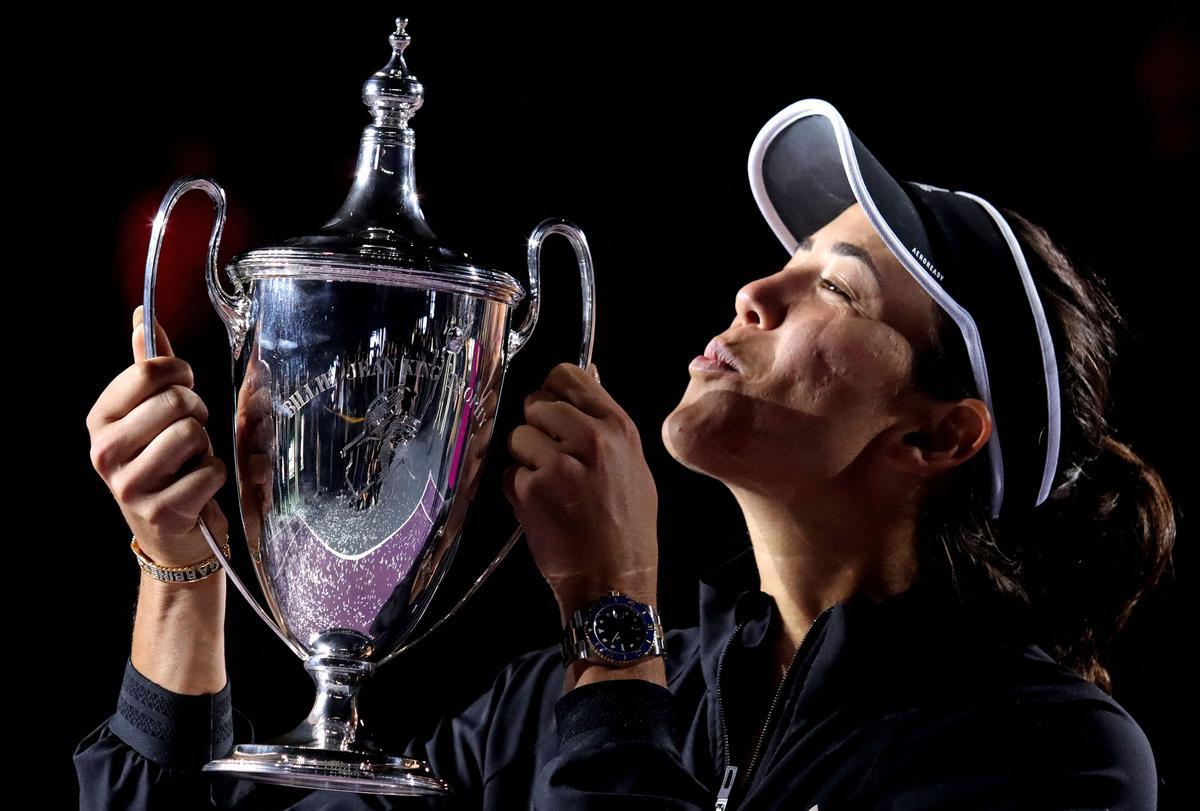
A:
368,362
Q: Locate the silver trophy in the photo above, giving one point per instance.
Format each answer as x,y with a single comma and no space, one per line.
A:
368,362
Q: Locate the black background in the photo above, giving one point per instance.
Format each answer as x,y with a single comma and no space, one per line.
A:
636,126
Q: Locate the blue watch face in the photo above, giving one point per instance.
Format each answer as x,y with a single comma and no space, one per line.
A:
621,629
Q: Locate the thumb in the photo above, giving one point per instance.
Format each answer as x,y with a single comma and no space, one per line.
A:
161,344
595,372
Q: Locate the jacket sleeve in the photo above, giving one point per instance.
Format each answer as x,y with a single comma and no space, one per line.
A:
149,754
617,748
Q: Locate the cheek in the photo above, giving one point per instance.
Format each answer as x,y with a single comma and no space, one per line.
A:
846,359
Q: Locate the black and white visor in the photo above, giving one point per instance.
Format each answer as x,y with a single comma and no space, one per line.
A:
806,167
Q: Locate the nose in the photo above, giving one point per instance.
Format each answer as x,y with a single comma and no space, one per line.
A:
761,302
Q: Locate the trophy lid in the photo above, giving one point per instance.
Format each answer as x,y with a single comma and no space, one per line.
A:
380,235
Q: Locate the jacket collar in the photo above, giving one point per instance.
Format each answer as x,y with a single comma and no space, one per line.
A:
902,643
727,596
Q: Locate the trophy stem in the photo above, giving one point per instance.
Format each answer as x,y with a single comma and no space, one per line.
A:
334,721
332,748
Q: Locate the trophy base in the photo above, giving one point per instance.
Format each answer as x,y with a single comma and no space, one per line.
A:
309,767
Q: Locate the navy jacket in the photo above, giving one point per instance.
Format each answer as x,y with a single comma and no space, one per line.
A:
905,703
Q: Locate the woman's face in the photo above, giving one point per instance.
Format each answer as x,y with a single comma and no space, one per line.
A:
826,376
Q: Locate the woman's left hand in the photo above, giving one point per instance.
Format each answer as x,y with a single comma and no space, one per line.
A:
583,492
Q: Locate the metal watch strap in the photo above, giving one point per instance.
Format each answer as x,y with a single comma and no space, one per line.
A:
574,641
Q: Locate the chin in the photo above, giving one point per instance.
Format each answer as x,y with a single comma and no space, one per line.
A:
700,442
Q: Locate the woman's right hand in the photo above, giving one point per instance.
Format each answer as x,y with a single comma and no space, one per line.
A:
150,446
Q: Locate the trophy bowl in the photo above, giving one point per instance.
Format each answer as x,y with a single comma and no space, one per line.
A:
368,363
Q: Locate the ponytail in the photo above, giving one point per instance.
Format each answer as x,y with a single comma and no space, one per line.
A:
1072,568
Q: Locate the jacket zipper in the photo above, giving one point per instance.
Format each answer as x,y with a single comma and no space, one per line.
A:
730,771
729,780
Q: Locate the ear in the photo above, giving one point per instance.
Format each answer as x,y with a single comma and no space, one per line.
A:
953,433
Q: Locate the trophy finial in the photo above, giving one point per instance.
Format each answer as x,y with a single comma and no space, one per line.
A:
400,39
392,93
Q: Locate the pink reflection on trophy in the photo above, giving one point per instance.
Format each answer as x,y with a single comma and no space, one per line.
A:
353,590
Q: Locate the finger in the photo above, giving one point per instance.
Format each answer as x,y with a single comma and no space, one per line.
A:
161,343
517,481
579,388
507,483
128,436
555,417
170,454
134,385
595,372
215,519
195,489
532,448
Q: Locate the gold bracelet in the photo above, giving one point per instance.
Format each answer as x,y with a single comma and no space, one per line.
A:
179,574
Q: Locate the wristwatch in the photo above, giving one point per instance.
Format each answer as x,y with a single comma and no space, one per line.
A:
615,630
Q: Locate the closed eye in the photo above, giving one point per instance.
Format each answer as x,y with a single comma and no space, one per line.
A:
831,286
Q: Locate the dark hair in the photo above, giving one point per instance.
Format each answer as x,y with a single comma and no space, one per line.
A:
1073,567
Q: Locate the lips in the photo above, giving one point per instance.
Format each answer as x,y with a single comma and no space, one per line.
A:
719,352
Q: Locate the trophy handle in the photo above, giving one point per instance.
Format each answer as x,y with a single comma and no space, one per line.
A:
231,308
557,225
516,340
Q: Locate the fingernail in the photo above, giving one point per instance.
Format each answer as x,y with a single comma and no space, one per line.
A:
595,372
